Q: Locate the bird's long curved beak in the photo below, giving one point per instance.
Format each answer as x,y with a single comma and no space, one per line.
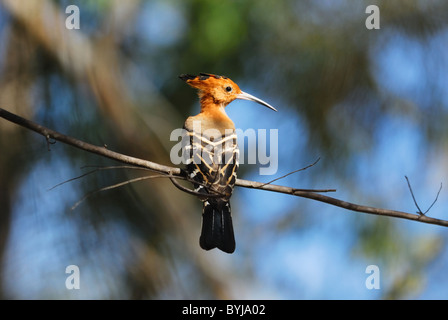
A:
246,96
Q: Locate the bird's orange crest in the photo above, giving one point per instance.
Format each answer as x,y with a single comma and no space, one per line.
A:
221,89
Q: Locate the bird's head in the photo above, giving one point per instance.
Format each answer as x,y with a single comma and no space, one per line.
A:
219,88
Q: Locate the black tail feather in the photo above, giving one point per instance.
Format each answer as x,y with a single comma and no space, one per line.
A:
217,227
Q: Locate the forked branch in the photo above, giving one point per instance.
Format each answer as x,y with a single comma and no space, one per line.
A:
172,173
419,211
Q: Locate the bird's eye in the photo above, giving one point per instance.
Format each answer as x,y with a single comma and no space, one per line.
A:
229,89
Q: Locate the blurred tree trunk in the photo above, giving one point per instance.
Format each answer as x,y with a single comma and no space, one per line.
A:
15,85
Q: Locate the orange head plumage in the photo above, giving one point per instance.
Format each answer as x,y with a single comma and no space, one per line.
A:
218,90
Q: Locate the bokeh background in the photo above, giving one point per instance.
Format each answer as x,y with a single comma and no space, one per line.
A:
372,104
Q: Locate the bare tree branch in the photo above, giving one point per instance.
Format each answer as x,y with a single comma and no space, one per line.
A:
177,173
102,151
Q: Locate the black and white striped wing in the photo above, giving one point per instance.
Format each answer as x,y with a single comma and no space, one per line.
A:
212,163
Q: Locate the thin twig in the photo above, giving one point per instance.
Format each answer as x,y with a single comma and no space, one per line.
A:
420,212
298,170
172,179
49,141
435,200
116,186
292,172
98,168
413,197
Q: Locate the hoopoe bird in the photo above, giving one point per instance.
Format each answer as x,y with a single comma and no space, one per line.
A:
212,156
